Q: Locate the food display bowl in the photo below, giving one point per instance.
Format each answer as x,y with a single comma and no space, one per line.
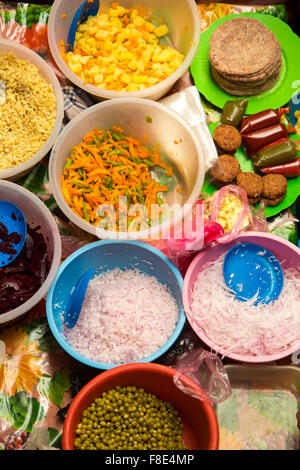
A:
104,256
23,53
201,431
182,18
36,214
168,129
281,248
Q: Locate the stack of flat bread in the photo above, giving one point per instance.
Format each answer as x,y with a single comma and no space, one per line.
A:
245,57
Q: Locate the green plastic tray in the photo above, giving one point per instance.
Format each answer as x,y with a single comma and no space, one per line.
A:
293,189
283,90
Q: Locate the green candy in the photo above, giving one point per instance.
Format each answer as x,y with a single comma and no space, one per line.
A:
281,153
233,112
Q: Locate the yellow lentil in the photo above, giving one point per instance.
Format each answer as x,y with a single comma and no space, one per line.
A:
28,114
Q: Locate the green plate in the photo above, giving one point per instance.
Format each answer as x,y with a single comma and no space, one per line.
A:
283,90
293,189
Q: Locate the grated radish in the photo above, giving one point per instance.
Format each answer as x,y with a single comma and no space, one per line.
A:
125,316
242,328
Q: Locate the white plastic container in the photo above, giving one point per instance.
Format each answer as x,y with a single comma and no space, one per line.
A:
168,129
36,214
23,53
181,16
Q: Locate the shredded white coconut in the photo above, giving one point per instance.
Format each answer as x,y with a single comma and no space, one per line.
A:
126,316
241,327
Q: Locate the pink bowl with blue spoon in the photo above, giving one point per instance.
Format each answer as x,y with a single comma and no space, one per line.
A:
253,272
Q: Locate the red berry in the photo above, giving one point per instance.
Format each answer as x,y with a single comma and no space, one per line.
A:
10,447
18,447
18,440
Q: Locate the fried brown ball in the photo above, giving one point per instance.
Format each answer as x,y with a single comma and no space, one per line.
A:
274,186
252,184
227,137
225,171
273,202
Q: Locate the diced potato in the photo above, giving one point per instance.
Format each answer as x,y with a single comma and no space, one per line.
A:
149,26
83,28
133,64
84,60
161,31
118,11
140,79
107,46
102,35
98,78
152,81
134,14
109,78
139,21
132,87
94,70
125,78
120,54
76,68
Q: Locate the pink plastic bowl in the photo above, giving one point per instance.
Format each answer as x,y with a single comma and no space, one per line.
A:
280,247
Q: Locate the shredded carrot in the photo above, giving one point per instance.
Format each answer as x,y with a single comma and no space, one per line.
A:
108,165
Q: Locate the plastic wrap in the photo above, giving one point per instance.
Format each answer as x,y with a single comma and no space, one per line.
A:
188,104
197,232
235,197
207,371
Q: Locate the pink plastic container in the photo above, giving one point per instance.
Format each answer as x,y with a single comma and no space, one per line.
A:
280,247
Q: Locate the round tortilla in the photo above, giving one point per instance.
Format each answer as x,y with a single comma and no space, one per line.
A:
243,47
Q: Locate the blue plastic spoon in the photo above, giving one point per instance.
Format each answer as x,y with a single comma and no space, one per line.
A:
76,298
13,219
251,270
88,8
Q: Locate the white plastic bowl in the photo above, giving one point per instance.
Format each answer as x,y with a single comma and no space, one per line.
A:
167,127
181,16
36,213
23,53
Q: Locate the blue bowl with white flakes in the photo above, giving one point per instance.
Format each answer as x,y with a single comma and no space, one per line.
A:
132,311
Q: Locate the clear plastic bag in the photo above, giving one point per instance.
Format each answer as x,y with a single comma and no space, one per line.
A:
233,202
211,381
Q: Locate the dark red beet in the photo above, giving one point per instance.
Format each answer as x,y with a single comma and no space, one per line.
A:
21,279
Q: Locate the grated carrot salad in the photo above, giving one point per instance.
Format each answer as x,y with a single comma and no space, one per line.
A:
108,165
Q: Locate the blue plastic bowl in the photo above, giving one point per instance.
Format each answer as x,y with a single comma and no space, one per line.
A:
107,255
